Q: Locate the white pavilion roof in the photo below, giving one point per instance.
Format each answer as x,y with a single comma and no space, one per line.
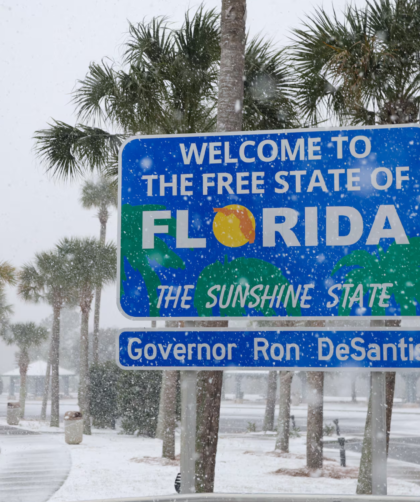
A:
38,368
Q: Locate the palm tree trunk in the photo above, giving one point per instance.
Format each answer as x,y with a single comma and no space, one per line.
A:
390,389
271,401
163,406
232,59
161,418
95,341
84,382
23,370
170,380
353,388
303,375
283,429
314,450
46,385
209,393
364,482
55,376
96,315
229,118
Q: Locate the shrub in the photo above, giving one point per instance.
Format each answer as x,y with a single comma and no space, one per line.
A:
328,430
104,394
138,401
294,432
251,427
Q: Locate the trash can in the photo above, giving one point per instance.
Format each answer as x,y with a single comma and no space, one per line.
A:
73,427
13,413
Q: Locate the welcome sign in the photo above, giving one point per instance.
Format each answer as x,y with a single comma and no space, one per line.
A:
300,224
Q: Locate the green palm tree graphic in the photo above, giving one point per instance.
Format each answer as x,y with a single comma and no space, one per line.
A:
399,266
139,258
241,271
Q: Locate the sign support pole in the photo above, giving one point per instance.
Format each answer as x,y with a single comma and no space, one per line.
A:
379,456
188,430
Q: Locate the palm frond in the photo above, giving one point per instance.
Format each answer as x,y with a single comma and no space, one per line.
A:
31,284
26,335
268,89
92,264
369,58
149,42
96,93
198,41
7,274
98,194
68,151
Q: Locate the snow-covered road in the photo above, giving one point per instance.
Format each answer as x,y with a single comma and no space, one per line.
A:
32,466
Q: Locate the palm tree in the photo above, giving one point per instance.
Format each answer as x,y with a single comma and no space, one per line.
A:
7,276
92,265
229,118
314,445
25,336
270,407
283,427
5,312
363,68
167,84
100,195
169,386
48,279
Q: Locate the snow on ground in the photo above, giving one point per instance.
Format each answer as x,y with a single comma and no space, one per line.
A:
113,465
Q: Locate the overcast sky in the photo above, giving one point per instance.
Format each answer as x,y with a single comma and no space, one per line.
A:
45,46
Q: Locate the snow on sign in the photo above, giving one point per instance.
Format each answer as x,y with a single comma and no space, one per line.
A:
307,223
315,349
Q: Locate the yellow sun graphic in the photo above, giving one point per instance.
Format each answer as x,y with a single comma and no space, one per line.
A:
234,225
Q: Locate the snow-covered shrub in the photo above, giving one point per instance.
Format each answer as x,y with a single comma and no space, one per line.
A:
104,388
138,401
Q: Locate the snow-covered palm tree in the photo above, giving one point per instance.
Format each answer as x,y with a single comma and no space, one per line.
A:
167,83
101,195
48,279
25,336
92,265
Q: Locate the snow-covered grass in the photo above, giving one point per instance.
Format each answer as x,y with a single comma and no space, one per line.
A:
112,465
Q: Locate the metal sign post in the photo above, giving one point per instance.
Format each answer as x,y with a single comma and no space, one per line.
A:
188,430
379,454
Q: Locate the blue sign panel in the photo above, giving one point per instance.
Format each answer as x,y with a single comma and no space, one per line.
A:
304,224
269,349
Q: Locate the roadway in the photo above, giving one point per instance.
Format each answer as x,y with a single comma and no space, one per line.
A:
235,418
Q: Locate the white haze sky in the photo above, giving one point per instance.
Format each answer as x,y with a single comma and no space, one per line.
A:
45,46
